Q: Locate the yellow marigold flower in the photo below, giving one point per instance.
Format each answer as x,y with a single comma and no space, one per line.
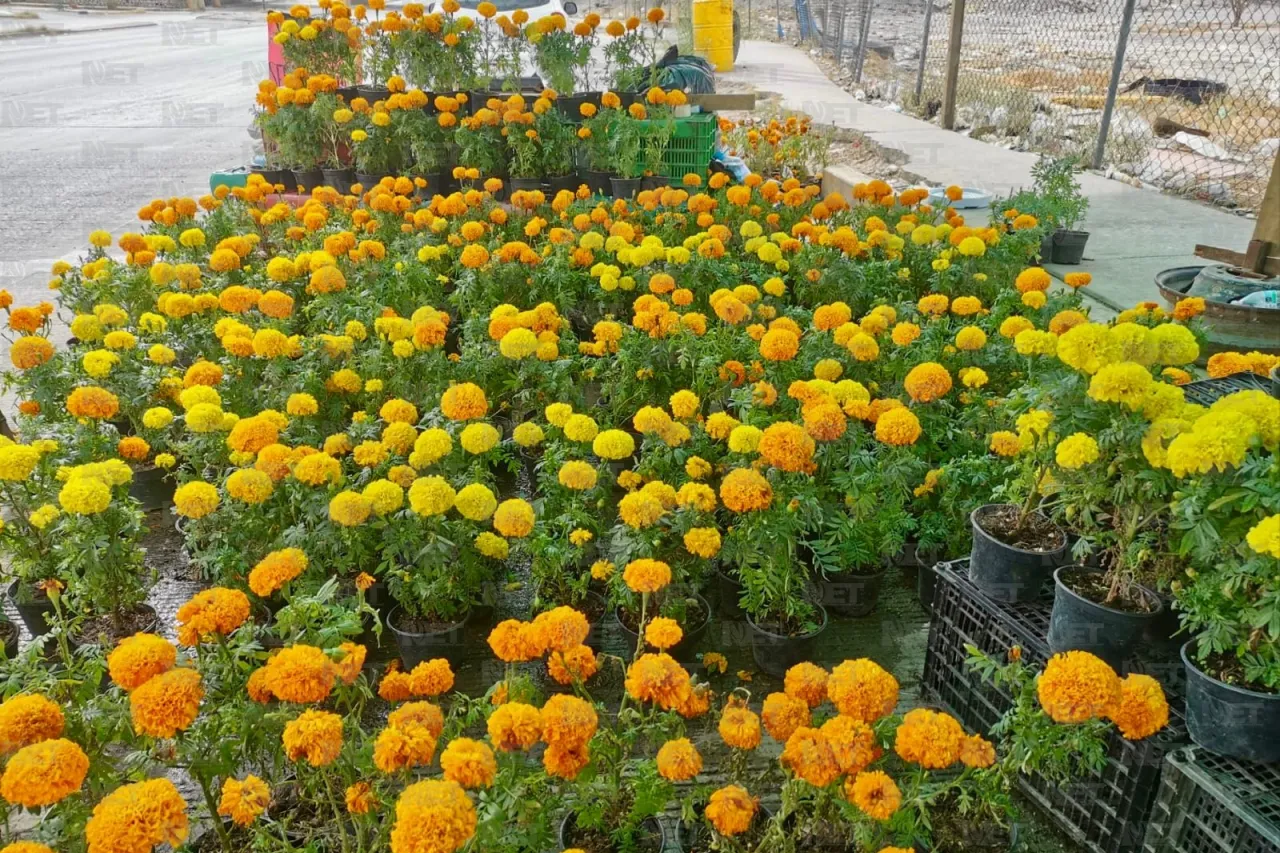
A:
275,570
1076,450
1125,382
899,427
678,760
640,510
527,434
514,518
783,714
515,726
249,485
193,500
663,633
433,816
464,402
739,726
475,502
359,798
28,719
927,382
243,800
745,490
613,444
1076,687
137,659
1088,348
315,736
702,542
646,576
166,704
478,438
1264,537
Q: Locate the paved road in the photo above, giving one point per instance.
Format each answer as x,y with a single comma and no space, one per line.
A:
95,124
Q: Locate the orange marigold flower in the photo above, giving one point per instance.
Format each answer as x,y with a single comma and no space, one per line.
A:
853,743
898,426
275,570
927,382
431,677
575,665
515,725
403,747
875,793
44,773
215,611
514,641
568,721
464,402
1076,687
166,704
663,633
244,799
359,798
137,818
863,690
348,667
783,714
745,490
929,738
315,736
433,816
808,755
658,678
468,762
562,628
139,658
806,682
257,688
679,760
646,575
787,447
1142,710
731,810
739,726
93,402
302,674
977,751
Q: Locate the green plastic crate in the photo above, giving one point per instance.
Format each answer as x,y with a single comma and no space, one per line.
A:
691,146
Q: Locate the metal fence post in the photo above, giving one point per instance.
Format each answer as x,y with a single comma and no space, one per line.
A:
924,49
1117,68
863,36
844,12
953,65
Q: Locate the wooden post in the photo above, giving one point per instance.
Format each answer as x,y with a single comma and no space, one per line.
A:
953,65
1263,252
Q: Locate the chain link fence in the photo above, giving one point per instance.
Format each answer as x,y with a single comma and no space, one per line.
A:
1196,103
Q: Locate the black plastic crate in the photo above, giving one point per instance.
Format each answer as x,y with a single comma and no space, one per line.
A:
1212,804
1104,813
1206,392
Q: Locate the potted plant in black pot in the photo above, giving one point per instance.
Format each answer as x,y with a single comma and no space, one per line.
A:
376,146
524,144
628,133
270,124
334,117
481,146
596,134
1233,659
1016,547
426,135
1065,207
559,150
783,620
661,127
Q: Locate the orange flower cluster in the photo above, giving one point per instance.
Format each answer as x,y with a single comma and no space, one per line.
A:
217,610
568,724
166,704
139,658
863,690
427,678
137,818
28,719
929,738
315,736
275,570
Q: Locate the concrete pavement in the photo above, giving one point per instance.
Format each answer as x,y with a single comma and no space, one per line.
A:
95,124
1135,233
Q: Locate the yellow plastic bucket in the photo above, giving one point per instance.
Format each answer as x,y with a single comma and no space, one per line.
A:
713,32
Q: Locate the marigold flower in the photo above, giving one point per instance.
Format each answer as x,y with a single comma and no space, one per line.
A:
731,810
301,673
928,738
863,690
468,762
195,499
745,490
359,798
137,659
315,736
514,518
1264,537
568,721
787,447
515,726
808,755
739,726
137,818
898,427
678,760
1142,710
577,664
403,747
433,816
806,682
464,402
875,793
244,799
275,570
562,629
977,751
660,679
167,703
646,576
28,719
44,773
783,714
514,641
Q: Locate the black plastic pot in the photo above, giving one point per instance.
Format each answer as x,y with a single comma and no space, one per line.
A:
9,638
1077,623
153,488
851,594
570,106
690,835
985,834
348,93
1006,573
149,624
526,184
448,642
1068,246
658,831
728,593
435,184
340,179
276,177
308,179
35,611
600,183
777,653
683,651
1046,248
654,182
624,187
367,180
926,586
1230,720
563,182
1275,382
373,93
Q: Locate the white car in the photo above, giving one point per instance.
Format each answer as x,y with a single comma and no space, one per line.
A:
506,7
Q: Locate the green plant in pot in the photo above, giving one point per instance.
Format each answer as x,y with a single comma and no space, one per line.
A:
1064,206
376,147
628,133
761,548
525,147
559,147
565,543
481,144
559,53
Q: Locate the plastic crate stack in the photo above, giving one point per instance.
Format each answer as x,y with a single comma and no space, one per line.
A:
690,147
1212,804
1104,813
1208,391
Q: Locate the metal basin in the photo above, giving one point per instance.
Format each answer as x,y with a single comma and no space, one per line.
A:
1230,327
